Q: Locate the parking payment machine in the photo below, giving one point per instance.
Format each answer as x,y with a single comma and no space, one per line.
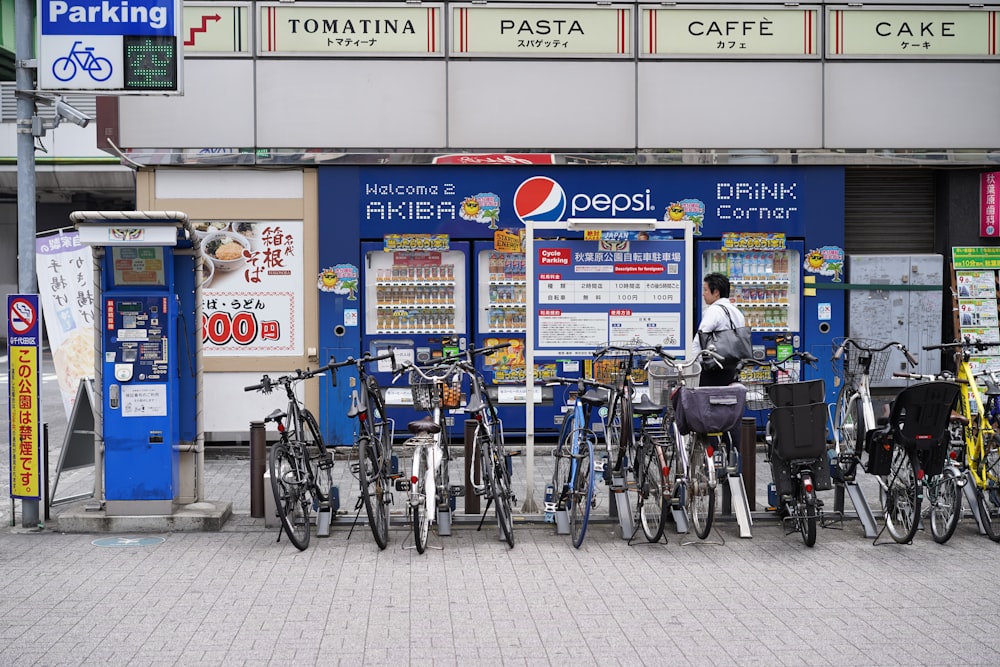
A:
149,332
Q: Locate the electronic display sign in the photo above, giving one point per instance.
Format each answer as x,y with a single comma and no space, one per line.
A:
110,46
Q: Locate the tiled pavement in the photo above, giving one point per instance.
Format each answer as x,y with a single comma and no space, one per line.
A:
238,597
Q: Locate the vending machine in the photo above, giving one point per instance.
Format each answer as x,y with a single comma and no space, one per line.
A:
501,317
765,278
415,302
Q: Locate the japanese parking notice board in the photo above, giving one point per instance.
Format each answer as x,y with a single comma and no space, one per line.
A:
22,349
608,292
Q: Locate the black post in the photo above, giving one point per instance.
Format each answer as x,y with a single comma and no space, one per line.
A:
471,498
258,461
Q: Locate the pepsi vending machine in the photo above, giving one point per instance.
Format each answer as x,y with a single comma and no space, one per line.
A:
416,303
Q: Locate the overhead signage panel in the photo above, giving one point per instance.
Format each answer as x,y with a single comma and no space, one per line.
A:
350,30
214,28
108,46
730,33
538,31
911,33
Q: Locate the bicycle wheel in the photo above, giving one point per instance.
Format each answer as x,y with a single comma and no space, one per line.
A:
700,494
651,489
618,432
582,496
377,424
845,424
989,498
807,518
497,479
290,496
946,504
319,460
901,496
373,490
418,509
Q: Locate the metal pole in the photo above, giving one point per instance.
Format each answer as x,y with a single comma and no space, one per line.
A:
25,81
258,462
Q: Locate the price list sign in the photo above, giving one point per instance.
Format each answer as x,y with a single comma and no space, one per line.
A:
588,296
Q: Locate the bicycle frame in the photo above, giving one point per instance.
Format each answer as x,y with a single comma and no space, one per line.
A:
979,431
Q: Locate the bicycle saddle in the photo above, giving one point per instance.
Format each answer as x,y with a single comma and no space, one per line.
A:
595,397
425,425
646,407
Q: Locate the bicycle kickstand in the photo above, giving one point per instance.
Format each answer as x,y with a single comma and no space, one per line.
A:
489,501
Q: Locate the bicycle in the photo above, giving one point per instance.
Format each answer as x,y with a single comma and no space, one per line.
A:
707,414
373,441
65,67
796,443
856,362
488,446
299,463
915,434
573,477
982,457
659,446
944,477
639,457
434,388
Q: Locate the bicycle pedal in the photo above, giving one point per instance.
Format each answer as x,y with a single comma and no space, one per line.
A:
456,491
325,462
355,468
402,484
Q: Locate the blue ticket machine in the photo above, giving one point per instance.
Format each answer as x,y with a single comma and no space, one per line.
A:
146,323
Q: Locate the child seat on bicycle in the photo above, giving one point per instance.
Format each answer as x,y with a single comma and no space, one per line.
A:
917,421
799,419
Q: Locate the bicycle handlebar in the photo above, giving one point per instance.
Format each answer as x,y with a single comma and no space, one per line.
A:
774,364
966,344
899,346
367,357
266,384
579,381
928,377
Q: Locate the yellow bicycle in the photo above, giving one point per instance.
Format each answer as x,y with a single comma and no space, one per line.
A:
978,435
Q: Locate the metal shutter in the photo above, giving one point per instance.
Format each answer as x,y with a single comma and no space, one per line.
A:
889,211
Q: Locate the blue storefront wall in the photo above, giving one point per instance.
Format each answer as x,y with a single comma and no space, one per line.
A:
359,203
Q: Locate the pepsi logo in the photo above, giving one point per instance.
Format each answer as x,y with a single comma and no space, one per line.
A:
539,199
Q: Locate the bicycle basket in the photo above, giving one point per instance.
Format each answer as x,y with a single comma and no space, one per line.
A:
664,378
443,389
758,397
850,366
613,367
709,409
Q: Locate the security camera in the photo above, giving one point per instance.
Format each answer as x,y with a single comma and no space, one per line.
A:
67,111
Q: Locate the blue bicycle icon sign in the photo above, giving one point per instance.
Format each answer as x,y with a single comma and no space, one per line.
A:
81,57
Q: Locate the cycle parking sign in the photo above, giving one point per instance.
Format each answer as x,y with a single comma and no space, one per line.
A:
110,46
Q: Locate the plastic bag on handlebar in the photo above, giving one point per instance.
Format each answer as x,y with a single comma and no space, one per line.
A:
709,409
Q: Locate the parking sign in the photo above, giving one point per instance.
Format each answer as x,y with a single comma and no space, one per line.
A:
110,46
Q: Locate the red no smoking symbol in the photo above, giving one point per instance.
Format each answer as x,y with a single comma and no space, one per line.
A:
22,316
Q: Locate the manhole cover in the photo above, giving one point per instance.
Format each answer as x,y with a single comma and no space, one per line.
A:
127,541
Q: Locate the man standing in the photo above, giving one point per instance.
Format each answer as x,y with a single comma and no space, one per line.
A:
719,314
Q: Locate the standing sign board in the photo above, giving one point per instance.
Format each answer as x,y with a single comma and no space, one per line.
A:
23,344
112,47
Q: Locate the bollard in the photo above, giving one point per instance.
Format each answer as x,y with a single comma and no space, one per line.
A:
748,454
471,497
258,462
